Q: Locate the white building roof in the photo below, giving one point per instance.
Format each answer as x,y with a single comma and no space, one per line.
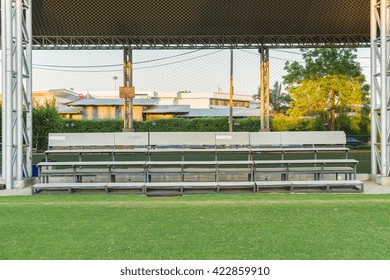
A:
114,102
222,112
168,109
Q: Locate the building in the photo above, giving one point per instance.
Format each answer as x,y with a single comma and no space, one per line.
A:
58,97
222,112
201,100
166,111
112,108
152,105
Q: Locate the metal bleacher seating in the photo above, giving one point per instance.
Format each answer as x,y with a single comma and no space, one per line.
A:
198,162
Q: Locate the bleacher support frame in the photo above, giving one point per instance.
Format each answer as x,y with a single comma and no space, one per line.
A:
159,173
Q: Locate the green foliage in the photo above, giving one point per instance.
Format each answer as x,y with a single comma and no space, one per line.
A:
330,83
320,63
326,96
45,120
197,124
278,100
208,124
175,124
172,125
107,125
289,124
248,124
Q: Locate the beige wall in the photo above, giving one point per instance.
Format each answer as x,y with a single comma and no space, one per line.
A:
72,116
43,97
159,116
109,112
137,113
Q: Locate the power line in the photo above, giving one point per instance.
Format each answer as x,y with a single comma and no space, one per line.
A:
76,71
287,51
114,65
46,66
119,70
277,58
175,62
164,58
74,66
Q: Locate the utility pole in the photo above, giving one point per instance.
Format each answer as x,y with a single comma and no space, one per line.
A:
264,89
115,79
231,93
127,92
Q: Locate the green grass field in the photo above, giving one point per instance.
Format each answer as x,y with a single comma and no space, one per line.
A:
253,226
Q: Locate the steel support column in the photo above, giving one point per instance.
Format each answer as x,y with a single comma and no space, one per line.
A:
128,82
264,89
380,110
9,93
374,89
231,93
17,123
3,88
28,94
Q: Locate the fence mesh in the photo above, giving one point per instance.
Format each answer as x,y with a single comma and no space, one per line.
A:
169,83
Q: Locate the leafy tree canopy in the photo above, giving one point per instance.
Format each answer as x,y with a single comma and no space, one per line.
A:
278,100
320,63
329,83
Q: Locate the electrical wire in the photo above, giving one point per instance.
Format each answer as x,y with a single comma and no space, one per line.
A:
49,67
76,71
287,51
277,58
119,70
175,62
114,65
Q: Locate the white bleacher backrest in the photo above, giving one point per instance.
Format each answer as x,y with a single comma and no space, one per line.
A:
80,139
265,138
313,138
232,138
131,139
182,139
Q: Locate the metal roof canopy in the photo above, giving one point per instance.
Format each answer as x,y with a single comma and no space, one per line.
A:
175,24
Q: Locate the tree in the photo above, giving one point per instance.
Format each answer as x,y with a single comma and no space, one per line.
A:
45,119
278,100
329,83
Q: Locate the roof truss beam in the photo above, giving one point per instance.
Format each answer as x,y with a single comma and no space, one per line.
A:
200,42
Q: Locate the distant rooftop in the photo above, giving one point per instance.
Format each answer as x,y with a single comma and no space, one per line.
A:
64,93
222,112
168,109
69,110
113,94
114,102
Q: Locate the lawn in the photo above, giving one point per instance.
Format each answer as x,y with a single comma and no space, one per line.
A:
252,226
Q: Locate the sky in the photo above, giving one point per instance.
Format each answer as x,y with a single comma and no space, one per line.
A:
162,70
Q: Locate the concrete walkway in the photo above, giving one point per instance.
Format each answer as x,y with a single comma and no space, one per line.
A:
369,188
14,192
372,188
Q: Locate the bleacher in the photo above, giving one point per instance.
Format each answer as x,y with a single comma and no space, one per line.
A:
163,163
